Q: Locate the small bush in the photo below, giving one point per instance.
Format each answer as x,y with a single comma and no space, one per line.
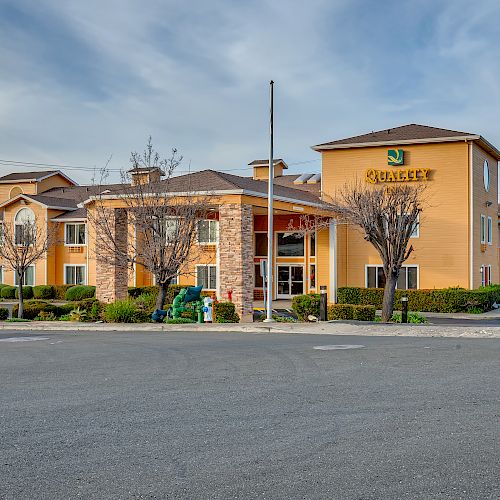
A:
8,292
32,308
80,292
349,311
225,312
4,313
363,313
306,305
3,285
135,291
340,311
179,321
46,316
123,311
413,317
60,291
45,292
63,309
27,292
78,315
64,317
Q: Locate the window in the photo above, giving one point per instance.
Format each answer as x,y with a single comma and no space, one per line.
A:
29,277
165,230
74,275
206,276
408,277
312,276
1,274
490,231
290,245
416,228
312,242
260,244
207,231
24,227
486,275
483,229
74,234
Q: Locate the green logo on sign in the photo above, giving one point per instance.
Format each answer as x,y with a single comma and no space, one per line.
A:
395,157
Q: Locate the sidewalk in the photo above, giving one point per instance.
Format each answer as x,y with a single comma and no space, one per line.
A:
327,328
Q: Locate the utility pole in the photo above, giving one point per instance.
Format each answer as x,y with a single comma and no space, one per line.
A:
269,304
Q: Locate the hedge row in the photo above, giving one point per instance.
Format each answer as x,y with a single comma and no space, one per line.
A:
32,308
48,292
173,290
447,300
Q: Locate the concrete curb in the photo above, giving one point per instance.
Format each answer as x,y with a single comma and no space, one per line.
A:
332,328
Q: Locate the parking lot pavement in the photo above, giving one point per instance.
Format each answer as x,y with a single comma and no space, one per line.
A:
211,415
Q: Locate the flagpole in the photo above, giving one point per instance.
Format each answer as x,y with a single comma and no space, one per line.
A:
269,304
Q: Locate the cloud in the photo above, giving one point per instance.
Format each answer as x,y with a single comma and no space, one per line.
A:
85,80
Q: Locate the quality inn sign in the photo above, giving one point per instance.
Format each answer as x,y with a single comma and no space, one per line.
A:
395,157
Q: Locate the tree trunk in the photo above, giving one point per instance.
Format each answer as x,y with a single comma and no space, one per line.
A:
162,294
389,293
20,280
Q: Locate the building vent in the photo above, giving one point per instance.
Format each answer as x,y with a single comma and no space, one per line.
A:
302,179
314,179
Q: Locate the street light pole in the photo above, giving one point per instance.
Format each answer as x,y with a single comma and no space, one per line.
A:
269,304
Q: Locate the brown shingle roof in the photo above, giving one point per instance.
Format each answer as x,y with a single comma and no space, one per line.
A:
266,162
29,176
51,201
79,213
403,133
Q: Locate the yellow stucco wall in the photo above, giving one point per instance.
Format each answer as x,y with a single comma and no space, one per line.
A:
441,251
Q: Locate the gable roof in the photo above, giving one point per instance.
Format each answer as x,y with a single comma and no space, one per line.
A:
47,201
211,181
407,134
19,177
265,163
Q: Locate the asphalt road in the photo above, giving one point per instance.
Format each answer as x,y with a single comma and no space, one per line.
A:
186,415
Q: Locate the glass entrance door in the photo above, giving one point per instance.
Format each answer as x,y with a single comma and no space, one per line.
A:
290,281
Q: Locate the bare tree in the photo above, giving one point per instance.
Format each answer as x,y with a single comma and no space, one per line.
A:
24,242
387,216
163,217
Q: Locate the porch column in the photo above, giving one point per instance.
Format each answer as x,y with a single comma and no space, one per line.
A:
111,273
236,271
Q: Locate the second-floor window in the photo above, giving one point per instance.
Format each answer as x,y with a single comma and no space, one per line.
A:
207,231
75,234
24,227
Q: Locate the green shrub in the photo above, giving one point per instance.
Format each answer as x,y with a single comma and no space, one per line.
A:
27,292
63,309
340,311
60,291
413,317
363,313
179,321
3,285
44,292
135,291
78,315
225,312
92,308
124,311
32,309
4,313
64,317
8,292
80,292
306,305
146,302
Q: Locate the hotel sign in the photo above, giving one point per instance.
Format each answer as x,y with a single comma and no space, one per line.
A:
395,157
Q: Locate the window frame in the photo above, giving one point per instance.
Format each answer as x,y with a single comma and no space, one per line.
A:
66,224
489,231
21,224
376,266
214,266
216,223
416,228
26,284
311,265
255,244
75,265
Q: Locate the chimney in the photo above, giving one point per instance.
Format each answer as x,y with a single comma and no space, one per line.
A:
145,175
261,168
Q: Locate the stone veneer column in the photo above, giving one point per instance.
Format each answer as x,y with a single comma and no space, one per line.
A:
111,273
236,271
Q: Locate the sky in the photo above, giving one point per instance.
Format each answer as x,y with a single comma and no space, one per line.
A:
87,82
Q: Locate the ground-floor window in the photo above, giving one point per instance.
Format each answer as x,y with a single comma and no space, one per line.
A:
1,274
486,275
74,275
408,277
312,276
259,280
29,277
206,276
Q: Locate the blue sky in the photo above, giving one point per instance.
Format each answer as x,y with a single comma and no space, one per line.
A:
85,80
